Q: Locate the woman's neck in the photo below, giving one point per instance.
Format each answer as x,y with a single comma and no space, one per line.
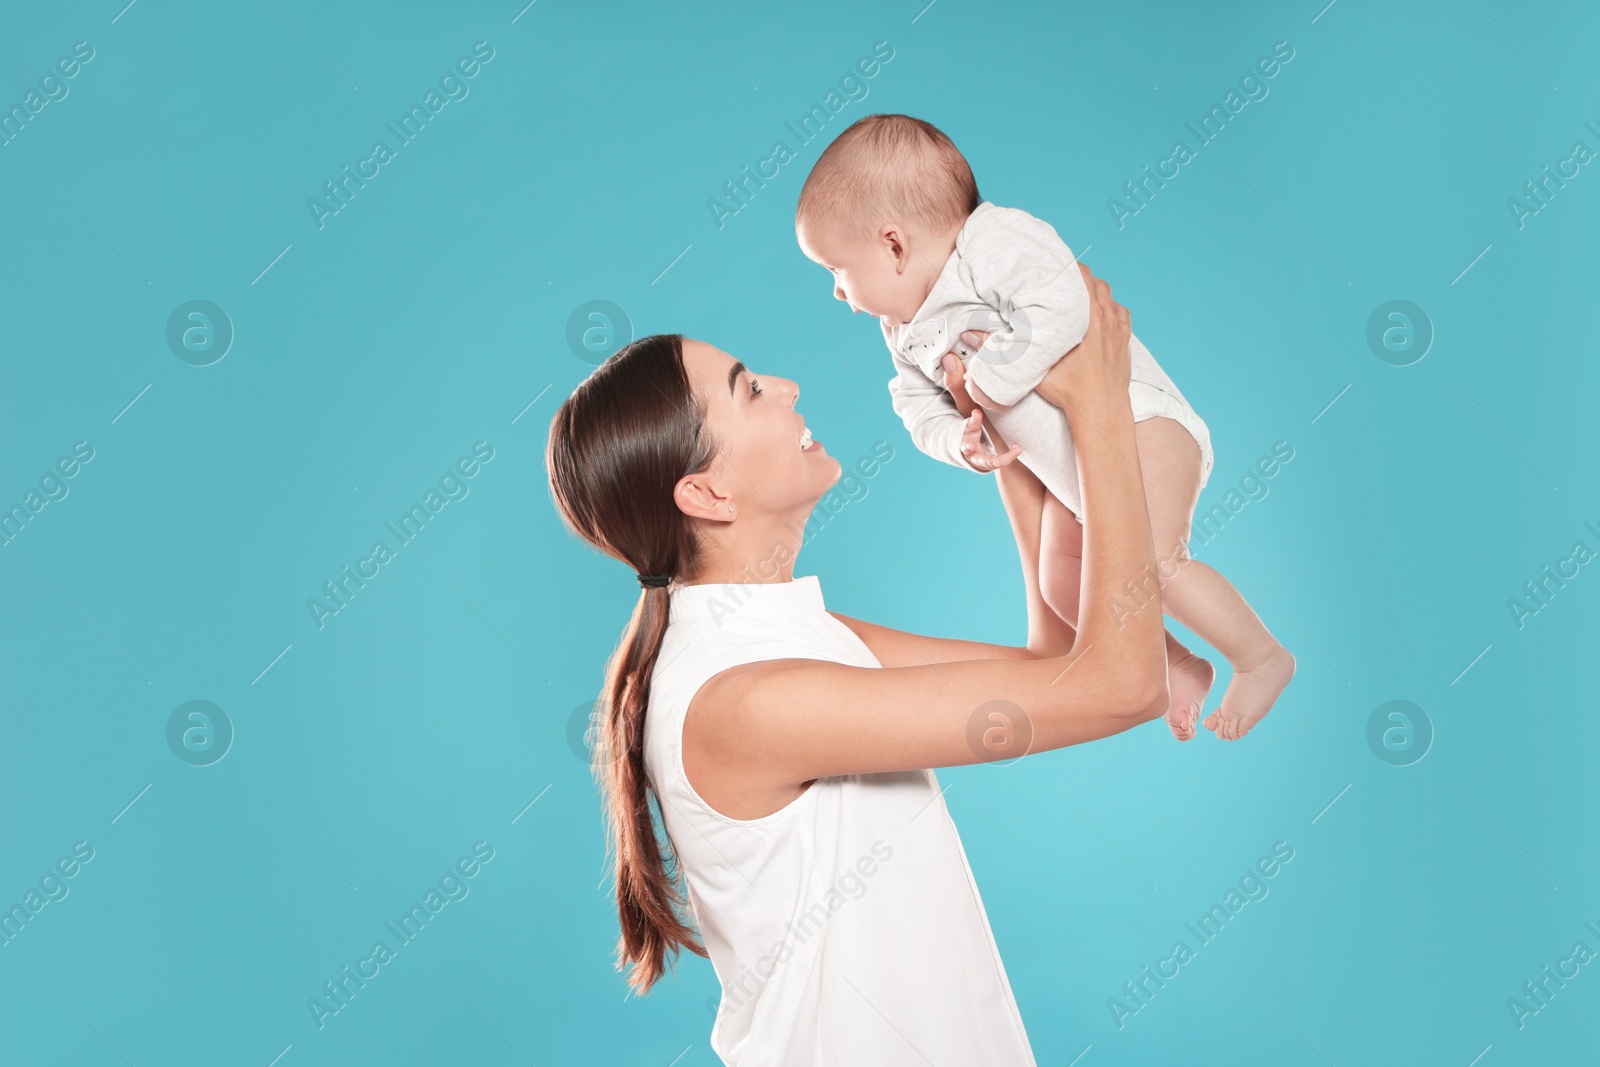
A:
751,551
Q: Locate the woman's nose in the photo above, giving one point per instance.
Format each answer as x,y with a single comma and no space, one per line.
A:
793,389
838,293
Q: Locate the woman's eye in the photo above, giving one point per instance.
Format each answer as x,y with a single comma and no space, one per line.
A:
755,387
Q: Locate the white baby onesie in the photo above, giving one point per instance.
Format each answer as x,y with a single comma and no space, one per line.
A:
1012,276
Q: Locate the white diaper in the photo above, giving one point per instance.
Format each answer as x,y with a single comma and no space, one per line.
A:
1149,401
1041,429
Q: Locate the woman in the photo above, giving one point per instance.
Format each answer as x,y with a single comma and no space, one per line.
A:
788,748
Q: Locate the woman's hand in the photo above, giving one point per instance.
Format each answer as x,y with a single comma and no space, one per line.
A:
1099,367
969,394
979,454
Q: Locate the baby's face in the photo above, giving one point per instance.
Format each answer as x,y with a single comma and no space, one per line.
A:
870,274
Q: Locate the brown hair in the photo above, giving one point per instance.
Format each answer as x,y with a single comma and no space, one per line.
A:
889,165
618,446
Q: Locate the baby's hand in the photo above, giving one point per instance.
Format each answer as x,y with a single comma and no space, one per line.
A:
978,454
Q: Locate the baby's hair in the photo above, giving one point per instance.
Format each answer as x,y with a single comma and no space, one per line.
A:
885,166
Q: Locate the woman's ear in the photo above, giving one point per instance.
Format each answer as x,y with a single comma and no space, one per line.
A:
697,498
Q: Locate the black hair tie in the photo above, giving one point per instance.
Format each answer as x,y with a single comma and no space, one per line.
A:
652,581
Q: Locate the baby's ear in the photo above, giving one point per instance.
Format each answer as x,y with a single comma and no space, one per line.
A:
895,242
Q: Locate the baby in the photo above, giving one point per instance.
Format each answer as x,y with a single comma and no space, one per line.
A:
892,211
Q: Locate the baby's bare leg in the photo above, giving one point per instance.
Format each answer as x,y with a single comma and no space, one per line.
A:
1189,677
1060,559
1198,596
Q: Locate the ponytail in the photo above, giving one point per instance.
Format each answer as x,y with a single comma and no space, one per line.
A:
617,448
648,901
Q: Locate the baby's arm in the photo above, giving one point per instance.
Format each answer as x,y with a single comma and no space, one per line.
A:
1018,265
933,420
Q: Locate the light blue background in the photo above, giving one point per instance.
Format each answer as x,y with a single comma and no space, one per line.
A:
433,309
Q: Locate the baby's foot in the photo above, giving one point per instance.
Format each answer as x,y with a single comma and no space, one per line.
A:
1188,682
1250,695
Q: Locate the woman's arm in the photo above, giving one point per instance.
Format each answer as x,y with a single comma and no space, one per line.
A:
1048,634
898,648
772,725
1023,496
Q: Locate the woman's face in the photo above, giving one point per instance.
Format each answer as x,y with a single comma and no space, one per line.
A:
753,419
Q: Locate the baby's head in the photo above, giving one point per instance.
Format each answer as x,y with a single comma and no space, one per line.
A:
880,210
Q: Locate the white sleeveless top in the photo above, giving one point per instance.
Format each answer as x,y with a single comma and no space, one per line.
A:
845,928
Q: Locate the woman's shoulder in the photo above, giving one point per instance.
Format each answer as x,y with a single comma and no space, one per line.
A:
731,626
